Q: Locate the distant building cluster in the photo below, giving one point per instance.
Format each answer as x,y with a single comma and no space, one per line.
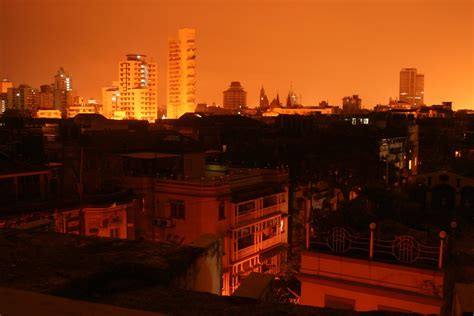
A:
55,100
135,94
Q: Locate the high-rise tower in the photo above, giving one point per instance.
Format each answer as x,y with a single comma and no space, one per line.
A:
62,91
182,74
137,94
412,87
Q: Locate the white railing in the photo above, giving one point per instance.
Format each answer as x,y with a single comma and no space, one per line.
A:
244,252
270,242
247,218
270,209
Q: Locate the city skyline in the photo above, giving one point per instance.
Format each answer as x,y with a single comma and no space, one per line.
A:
257,157
345,58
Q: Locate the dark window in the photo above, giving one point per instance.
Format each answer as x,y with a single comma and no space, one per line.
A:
444,178
177,209
270,201
246,208
245,242
429,181
246,238
458,183
393,309
221,211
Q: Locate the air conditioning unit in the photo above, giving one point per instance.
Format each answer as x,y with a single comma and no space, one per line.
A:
162,222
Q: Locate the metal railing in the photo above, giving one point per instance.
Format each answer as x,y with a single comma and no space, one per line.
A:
402,249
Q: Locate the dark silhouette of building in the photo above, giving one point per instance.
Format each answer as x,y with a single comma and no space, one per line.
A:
412,87
263,100
22,98
62,91
46,97
275,102
351,105
235,97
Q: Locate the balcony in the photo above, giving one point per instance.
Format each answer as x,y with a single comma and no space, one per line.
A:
242,253
256,214
270,210
270,242
256,248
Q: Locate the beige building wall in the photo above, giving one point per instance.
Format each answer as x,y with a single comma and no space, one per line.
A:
138,88
181,95
348,283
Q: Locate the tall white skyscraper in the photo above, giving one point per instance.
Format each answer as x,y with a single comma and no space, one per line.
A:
138,88
412,87
181,96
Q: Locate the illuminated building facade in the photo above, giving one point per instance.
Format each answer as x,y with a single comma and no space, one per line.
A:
109,221
182,74
76,109
304,110
412,87
235,98
48,114
254,224
137,88
247,207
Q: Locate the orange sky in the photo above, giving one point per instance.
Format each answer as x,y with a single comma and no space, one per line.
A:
327,49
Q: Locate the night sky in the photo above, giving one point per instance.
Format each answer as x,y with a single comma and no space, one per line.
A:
326,49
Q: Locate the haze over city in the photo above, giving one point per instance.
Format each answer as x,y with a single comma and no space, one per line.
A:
252,157
324,49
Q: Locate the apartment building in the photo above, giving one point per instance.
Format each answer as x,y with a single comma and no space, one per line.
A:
248,208
137,94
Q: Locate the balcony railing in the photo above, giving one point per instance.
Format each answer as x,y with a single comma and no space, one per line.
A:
242,253
271,209
270,242
254,215
403,249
